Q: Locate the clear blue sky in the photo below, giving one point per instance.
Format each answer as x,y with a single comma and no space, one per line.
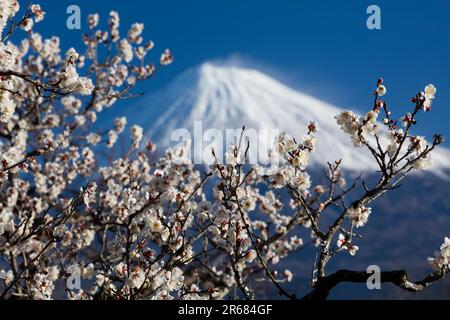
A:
320,47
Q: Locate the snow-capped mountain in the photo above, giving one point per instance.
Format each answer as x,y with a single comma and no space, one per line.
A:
227,97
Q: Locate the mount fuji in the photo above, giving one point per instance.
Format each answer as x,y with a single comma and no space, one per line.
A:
228,97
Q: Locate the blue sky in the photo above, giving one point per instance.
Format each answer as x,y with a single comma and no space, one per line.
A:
320,47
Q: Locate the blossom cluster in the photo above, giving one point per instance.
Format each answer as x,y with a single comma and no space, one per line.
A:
441,259
366,131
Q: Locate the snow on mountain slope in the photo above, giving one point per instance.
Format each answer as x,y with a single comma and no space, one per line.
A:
227,97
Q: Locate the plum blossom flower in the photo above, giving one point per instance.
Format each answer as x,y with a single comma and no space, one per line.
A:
126,49
166,58
88,272
137,278
158,173
301,159
438,262
37,12
285,143
8,9
430,91
429,94
6,222
136,135
359,215
27,24
348,121
93,138
352,249
313,127
418,144
309,142
248,205
250,256
381,90
119,124
71,81
288,274
371,116
89,195
7,276
422,163
7,107
93,20
59,231
445,247
134,34
112,138
232,156
441,258
301,181
342,241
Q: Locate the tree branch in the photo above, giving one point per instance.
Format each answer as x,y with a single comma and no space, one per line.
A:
398,277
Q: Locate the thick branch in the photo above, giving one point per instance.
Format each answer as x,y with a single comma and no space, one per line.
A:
398,277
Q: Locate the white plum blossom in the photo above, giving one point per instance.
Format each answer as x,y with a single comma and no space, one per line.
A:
288,274
352,249
126,49
445,247
112,138
232,156
119,124
134,34
136,135
93,138
8,9
93,20
7,276
358,127
72,82
343,243
422,163
7,107
27,24
250,256
418,144
348,121
158,173
381,90
313,127
59,231
301,159
301,181
6,222
441,259
430,93
137,278
166,58
37,12
359,215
